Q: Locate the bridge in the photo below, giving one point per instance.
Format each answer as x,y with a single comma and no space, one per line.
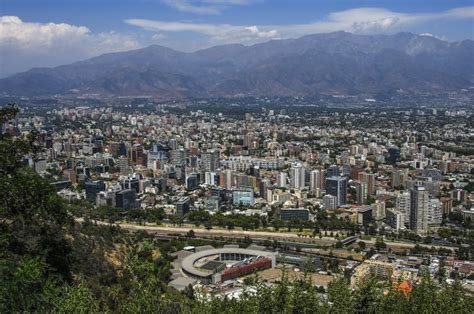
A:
349,240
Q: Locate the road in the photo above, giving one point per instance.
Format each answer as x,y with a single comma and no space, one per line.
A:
409,245
260,235
256,235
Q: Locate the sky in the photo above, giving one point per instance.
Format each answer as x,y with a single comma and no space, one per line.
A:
46,33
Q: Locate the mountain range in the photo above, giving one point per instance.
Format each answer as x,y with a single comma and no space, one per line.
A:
333,63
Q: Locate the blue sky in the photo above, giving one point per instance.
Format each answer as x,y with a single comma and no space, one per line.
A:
51,32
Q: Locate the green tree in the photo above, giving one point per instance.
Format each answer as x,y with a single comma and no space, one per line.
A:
190,234
34,252
424,296
368,296
380,244
189,292
339,294
74,298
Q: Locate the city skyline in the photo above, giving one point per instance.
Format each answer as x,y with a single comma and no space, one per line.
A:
236,156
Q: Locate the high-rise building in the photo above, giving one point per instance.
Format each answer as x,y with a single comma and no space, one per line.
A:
161,184
399,178
282,180
123,166
183,206
105,198
297,176
173,144
378,210
395,219
243,181
459,195
144,184
83,171
364,216
192,182
287,214
93,188
393,154
369,179
435,212
126,199
403,204
447,205
210,178
419,207
227,179
243,197
323,179
178,156
210,160
315,180
346,170
122,149
193,161
131,183
156,158
333,171
137,156
265,184
337,187
361,192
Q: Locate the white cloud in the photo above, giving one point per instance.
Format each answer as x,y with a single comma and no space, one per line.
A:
185,6
211,7
203,28
216,33
372,20
255,31
158,36
13,29
358,20
24,45
433,35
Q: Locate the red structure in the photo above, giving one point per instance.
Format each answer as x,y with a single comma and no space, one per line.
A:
242,270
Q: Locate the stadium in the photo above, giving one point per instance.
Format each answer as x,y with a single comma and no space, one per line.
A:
210,265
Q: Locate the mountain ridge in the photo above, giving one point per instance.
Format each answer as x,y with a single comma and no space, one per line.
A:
331,63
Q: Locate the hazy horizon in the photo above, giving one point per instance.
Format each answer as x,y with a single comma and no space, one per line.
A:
218,45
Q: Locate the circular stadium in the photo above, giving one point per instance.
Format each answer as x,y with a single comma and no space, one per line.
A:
211,265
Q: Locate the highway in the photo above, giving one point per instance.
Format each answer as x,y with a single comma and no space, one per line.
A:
409,245
255,235
200,232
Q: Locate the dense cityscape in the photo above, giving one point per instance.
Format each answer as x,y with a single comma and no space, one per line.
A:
331,191
236,156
